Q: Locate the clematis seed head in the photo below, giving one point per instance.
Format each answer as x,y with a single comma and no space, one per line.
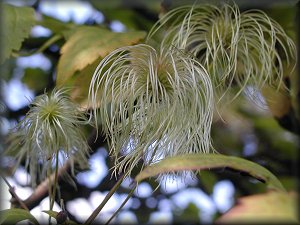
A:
51,127
152,104
238,49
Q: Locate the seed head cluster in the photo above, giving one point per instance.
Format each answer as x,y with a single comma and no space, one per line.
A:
238,49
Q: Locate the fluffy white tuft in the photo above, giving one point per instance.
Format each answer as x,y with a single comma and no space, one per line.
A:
52,125
237,48
153,104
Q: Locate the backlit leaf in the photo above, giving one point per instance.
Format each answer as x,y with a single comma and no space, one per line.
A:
14,215
16,26
88,44
272,208
199,162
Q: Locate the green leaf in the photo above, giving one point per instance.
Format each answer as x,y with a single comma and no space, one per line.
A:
51,213
153,5
190,215
55,25
285,15
16,26
13,216
58,27
209,161
80,85
130,18
208,179
35,78
272,207
88,44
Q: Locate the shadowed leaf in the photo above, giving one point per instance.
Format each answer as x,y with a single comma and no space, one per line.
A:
55,25
80,85
35,78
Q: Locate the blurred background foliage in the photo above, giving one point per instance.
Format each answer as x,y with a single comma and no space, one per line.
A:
247,130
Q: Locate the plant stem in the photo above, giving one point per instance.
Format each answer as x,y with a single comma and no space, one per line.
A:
14,195
130,193
42,190
52,200
105,200
55,182
49,42
122,205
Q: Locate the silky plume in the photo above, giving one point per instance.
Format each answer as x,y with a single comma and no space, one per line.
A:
51,127
151,104
238,49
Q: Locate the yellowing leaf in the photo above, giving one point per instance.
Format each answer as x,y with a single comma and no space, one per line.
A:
16,26
278,101
88,44
209,161
272,207
80,86
14,215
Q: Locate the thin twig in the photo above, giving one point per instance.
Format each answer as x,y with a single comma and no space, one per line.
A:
42,189
105,200
122,205
55,183
14,195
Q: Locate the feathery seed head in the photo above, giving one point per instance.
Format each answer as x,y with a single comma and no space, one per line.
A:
237,48
153,104
52,125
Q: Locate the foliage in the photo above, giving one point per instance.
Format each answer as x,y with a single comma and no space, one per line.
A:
18,22
12,216
150,95
88,44
264,208
200,162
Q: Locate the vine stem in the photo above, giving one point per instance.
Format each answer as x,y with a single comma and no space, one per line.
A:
14,195
122,205
43,190
130,193
55,182
105,200
49,42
